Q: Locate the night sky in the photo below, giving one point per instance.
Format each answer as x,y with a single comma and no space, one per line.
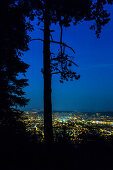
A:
94,90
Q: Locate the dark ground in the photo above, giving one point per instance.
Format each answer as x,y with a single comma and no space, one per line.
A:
20,151
89,156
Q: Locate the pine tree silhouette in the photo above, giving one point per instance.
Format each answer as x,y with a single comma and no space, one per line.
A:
13,41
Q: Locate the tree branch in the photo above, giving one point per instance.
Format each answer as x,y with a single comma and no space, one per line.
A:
56,42
56,72
67,60
72,62
39,39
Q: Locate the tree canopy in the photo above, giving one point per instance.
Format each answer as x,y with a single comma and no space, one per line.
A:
71,11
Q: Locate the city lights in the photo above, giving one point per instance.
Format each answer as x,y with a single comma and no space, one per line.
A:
75,124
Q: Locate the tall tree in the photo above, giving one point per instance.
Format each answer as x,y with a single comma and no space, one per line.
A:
13,41
63,12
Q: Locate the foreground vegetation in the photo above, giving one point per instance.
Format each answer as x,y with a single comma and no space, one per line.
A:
21,150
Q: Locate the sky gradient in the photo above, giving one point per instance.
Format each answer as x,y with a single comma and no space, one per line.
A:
94,90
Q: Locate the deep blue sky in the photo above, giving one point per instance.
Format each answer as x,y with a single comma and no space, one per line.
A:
94,90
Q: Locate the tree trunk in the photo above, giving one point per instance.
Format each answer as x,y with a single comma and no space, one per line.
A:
48,131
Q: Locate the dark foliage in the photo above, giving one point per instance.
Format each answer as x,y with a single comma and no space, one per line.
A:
67,12
13,40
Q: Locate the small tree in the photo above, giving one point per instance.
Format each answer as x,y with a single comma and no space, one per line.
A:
63,12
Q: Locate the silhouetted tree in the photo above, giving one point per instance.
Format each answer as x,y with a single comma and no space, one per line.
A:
13,41
63,12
